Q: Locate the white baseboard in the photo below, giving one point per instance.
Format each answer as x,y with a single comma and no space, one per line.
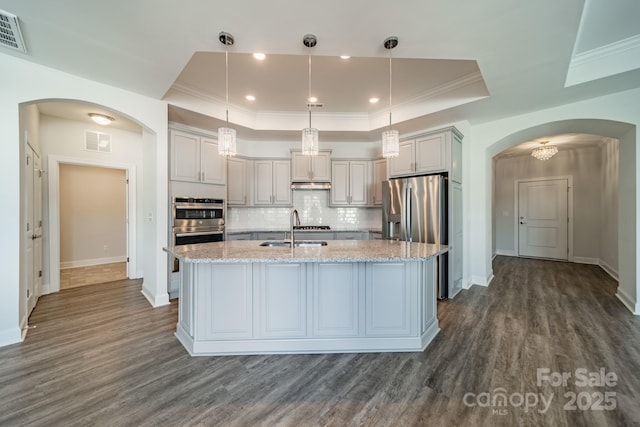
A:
481,281
586,260
505,253
10,336
157,300
628,302
90,262
609,270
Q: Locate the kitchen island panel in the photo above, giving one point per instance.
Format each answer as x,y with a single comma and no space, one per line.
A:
281,293
336,289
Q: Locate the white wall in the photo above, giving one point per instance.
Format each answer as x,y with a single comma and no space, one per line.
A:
65,139
616,116
585,166
609,207
25,82
93,215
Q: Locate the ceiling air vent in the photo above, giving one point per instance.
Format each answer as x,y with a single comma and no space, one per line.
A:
97,141
315,105
10,35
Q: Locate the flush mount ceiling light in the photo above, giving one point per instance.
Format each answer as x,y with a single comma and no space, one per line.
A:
544,152
390,137
309,134
101,119
226,135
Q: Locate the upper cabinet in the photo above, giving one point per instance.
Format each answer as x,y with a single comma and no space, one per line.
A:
239,181
379,172
311,168
350,182
195,158
432,153
272,182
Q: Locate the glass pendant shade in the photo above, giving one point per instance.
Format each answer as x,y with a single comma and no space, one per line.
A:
544,152
390,143
310,141
227,142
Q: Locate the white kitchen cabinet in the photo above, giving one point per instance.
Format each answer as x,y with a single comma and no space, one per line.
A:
388,302
239,171
431,153
282,299
379,172
455,238
352,235
350,182
311,168
223,311
272,182
335,300
195,158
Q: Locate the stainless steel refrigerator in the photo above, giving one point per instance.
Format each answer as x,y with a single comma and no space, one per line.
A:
415,210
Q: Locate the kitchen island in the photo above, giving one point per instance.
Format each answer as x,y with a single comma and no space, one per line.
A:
237,297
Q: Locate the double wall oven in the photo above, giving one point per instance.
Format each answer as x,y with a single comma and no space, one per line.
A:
196,220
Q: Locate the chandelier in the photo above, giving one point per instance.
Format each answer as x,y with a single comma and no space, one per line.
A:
544,152
390,137
309,135
226,135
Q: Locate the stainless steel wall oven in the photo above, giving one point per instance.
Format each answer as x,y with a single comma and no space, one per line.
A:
197,220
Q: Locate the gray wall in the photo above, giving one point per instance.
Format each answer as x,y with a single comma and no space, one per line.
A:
595,181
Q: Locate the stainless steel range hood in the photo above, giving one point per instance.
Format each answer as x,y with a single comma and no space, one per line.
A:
310,185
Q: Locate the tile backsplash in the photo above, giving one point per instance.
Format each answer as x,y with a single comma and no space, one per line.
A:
313,208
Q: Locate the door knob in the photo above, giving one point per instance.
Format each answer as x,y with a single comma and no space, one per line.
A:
522,222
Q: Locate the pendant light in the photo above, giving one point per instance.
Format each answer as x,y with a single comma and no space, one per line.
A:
544,152
226,135
309,135
390,137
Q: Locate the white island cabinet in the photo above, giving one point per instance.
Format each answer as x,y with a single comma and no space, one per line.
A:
349,296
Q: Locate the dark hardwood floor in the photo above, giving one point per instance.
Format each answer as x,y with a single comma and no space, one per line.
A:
101,356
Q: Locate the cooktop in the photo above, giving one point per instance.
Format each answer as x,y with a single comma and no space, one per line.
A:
311,227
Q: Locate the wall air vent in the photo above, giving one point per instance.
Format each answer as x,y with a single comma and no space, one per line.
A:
315,105
97,141
10,34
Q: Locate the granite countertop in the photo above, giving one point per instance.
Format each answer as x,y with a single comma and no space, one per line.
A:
281,230
335,251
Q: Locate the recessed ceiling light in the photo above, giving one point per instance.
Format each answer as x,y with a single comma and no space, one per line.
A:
345,56
373,100
259,56
313,99
101,119
250,98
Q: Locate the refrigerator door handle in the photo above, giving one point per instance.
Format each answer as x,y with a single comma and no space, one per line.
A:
403,213
407,212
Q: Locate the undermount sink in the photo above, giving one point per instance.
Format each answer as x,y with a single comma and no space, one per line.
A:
287,243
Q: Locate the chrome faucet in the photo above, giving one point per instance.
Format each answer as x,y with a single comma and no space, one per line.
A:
294,213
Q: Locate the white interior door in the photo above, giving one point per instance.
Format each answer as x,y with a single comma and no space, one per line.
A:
33,244
543,219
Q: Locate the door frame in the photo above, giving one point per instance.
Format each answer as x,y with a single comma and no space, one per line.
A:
54,163
516,200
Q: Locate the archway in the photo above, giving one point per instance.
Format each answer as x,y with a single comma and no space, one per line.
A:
626,134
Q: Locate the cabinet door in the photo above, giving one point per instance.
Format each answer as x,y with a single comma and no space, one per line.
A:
379,175
456,159
185,157
224,311
236,181
431,153
335,300
351,235
300,167
358,183
283,300
340,182
321,167
213,165
455,237
282,182
403,164
387,300
263,182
